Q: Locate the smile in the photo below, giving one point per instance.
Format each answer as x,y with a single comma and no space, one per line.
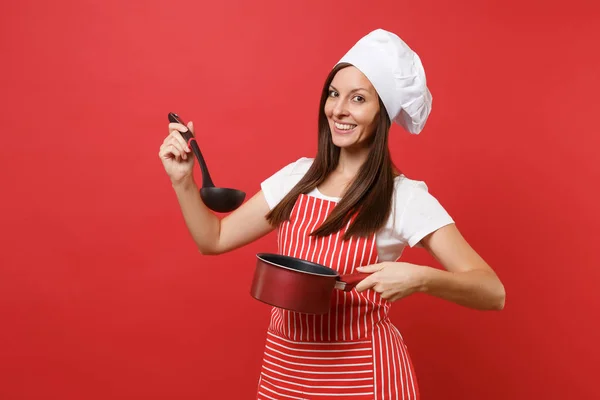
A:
344,127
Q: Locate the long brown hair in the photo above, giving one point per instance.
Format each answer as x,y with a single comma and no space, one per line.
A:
369,197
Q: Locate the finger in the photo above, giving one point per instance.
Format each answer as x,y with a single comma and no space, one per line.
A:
365,284
165,150
174,126
176,137
182,152
176,140
386,295
371,268
396,297
170,151
191,126
178,145
174,150
183,146
379,288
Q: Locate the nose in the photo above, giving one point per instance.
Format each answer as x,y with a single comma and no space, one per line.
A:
339,108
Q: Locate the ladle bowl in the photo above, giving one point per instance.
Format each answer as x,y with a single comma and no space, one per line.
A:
218,199
222,199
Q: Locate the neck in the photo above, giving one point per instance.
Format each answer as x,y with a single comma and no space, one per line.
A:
350,161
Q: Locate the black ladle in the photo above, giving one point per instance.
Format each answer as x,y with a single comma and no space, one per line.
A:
217,199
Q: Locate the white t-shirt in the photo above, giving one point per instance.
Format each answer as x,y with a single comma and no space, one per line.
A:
415,212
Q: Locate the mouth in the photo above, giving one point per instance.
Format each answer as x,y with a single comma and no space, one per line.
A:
343,128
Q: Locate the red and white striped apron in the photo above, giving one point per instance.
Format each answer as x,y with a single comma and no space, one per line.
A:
354,351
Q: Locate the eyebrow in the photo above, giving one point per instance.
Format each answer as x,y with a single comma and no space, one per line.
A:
353,90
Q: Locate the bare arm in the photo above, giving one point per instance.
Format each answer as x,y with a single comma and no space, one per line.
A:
468,279
214,235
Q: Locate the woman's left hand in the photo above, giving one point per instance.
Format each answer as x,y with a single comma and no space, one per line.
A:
393,280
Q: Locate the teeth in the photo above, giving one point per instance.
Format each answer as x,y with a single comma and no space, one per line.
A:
344,127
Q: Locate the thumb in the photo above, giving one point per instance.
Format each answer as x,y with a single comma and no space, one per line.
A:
371,268
190,126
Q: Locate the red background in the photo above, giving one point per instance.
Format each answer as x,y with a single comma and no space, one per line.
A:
102,293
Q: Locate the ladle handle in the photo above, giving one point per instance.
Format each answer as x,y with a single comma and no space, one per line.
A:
191,142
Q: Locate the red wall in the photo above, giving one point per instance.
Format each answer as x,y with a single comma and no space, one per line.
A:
102,294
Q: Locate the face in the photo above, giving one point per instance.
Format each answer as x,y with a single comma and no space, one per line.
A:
351,108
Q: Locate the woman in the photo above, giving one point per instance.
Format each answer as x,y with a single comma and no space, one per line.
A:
351,210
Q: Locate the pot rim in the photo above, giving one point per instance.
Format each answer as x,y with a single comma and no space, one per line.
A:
260,256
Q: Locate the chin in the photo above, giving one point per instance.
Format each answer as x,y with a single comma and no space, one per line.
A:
343,142
344,139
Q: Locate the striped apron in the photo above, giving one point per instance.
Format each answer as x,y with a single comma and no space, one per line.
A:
353,351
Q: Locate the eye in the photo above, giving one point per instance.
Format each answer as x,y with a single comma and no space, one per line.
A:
333,93
359,98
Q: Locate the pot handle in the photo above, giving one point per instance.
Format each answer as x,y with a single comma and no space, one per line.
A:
351,280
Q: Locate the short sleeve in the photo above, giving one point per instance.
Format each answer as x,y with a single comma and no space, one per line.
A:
422,215
278,185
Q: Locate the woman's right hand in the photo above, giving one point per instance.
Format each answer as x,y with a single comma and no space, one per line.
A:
175,154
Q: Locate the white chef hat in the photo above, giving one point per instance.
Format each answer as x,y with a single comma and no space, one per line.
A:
397,74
